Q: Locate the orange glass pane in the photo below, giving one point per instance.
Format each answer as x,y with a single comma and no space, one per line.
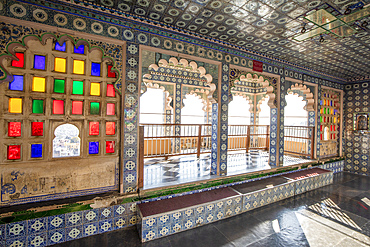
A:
60,64
77,107
58,107
15,105
94,128
110,128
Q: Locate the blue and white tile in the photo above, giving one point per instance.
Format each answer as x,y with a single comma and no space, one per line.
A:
149,222
190,222
73,219
176,217
105,225
131,208
149,234
199,210
18,241
119,210
74,232
132,219
163,220
56,221
119,222
188,213
210,217
56,236
2,232
90,216
37,225
176,227
16,229
106,213
90,229
210,207
164,230
37,240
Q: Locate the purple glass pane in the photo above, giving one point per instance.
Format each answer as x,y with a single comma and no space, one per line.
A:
36,151
80,49
39,62
60,47
17,83
95,69
93,147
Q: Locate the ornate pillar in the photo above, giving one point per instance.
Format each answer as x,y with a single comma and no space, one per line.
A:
177,115
214,140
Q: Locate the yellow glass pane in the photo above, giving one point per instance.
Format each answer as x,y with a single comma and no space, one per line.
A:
95,89
78,67
38,84
15,105
60,64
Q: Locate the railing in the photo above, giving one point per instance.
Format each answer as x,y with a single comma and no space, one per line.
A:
163,140
299,140
246,137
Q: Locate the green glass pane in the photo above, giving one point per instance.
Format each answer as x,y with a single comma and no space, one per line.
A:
58,86
78,87
320,119
38,106
94,108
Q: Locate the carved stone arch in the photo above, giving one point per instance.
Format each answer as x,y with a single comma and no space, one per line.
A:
168,99
249,100
306,93
204,102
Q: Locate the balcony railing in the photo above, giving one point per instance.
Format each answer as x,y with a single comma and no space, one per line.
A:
245,137
299,140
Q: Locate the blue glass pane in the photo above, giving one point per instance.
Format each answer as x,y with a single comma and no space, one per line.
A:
93,147
17,83
95,69
36,151
60,47
80,49
39,62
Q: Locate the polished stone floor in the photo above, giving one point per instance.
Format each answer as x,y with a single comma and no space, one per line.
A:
335,215
176,170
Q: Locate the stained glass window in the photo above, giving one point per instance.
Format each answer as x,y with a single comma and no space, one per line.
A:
15,105
20,62
110,128
78,67
95,89
58,107
59,86
37,128
36,150
14,129
94,108
94,128
37,106
95,69
60,47
39,62
60,64
78,87
110,73
111,109
80,49
110,91
14,152
109,146
17,83
38,84
77,107
93,147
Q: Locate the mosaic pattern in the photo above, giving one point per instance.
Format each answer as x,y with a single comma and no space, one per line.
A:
356,143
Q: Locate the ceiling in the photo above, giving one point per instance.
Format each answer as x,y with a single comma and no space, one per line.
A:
265,26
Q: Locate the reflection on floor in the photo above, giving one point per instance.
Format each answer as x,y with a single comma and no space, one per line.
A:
335,215
176,170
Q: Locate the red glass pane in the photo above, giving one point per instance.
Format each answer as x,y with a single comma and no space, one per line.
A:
321,137
334,127
111,109
321,128
14,129
110,73
19,63
77,107
14,152
331,127
58,107
94,128
334,136
110,128
110,91
37,128
109,146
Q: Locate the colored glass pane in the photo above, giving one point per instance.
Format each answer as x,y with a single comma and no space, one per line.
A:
39,62
59,86
37,128
14,129
111,109
36,150
58,107
110,73
17,83
93,147
78,67
95,69
110,91
38,84
15,105
78,87
77,107
20,62
95,89
94,128
94,108
60,64
109,146
80,49
37,106
110,128
14,152
60,47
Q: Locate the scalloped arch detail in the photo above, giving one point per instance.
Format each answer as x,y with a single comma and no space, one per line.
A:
306,92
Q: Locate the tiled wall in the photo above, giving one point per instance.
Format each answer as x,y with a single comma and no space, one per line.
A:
356,143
